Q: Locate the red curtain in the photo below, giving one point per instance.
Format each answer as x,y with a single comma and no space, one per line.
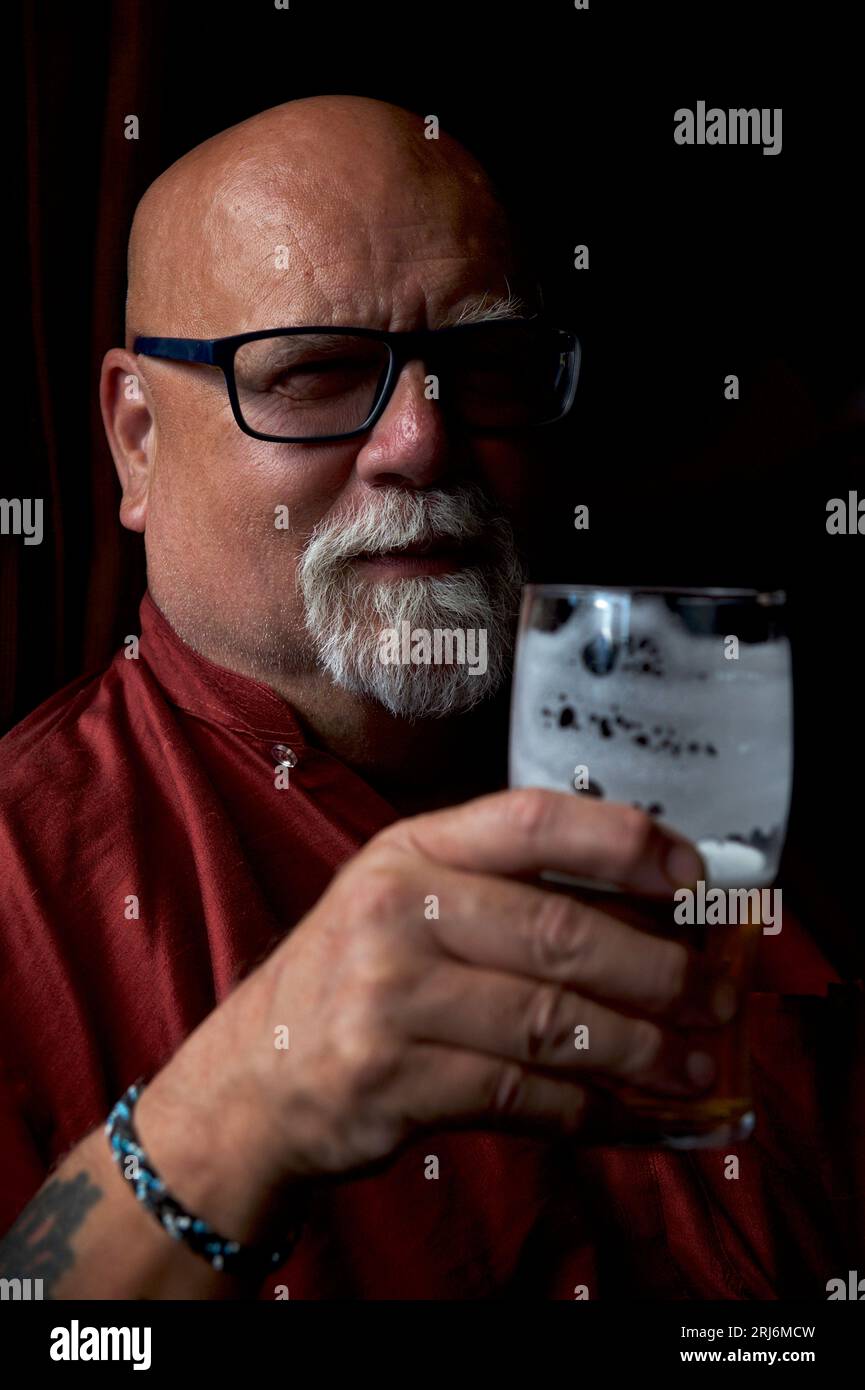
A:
66,603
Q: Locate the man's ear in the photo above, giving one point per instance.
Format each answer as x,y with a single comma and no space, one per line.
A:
127,414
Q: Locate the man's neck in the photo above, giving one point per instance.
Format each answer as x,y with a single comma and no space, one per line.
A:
415,766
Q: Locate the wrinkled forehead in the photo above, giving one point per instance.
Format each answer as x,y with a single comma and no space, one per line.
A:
319,242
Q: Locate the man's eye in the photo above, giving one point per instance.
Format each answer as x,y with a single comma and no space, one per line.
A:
494,371
330,364
316,380
328,369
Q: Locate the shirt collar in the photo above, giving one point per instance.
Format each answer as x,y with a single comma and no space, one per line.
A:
212,692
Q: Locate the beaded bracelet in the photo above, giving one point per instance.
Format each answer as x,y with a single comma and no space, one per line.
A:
248,1262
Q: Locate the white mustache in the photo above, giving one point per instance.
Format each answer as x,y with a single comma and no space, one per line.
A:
399,519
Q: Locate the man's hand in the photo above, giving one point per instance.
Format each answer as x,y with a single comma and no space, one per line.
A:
400,1021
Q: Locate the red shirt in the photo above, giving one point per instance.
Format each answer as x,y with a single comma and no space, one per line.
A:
155,779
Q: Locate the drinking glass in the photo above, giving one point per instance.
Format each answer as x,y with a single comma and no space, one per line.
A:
677,701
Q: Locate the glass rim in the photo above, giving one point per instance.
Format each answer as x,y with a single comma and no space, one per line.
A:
766,598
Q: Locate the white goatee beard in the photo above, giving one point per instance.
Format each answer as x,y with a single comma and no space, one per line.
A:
345,615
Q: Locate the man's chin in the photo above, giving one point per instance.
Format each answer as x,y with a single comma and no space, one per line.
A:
423,646
428,700
414,690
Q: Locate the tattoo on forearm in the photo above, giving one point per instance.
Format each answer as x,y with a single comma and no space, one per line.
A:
39,1245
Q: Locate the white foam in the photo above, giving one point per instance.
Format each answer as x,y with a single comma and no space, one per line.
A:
730,864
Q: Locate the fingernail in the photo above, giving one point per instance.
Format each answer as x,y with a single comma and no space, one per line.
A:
724,1001
700,1068
684,867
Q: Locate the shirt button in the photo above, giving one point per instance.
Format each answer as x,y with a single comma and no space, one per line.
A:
284,756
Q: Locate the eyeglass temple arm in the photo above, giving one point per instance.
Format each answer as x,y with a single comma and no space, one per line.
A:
178,349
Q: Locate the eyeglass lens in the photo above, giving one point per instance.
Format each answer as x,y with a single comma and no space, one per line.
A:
305,386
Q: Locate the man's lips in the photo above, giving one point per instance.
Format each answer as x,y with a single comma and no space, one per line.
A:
421,557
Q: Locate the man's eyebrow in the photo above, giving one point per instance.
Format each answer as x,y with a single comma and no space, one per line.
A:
482,308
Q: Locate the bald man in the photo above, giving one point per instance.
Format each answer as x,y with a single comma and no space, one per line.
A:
221,853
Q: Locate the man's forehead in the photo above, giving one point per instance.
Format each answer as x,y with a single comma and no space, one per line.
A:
288,236
407,263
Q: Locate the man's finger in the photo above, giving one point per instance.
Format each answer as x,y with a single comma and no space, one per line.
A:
451,1088
534,933
527,830
549,1026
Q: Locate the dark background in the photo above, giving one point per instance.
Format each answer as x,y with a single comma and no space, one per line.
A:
704,261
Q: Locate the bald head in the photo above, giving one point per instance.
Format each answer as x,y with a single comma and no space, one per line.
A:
308,211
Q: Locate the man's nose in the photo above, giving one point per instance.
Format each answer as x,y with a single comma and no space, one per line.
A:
410,441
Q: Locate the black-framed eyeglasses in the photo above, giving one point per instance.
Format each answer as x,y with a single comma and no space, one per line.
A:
316,384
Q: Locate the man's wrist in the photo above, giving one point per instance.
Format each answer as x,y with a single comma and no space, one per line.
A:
214,1159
